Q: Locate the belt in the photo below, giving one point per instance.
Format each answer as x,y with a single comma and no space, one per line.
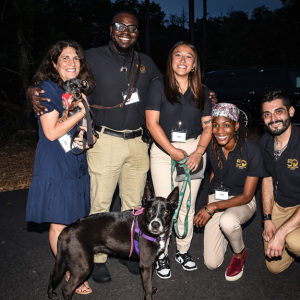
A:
126,135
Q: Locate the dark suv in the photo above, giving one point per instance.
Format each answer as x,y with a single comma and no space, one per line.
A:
246,86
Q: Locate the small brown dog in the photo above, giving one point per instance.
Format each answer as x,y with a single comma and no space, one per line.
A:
74,87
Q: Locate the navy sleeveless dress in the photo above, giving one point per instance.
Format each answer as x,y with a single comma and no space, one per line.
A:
60,187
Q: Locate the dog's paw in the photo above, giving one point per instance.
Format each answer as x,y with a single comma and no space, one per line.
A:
154,290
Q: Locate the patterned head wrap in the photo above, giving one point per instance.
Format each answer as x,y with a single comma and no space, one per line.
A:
227,110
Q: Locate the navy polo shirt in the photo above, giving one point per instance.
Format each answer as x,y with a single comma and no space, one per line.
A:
285,170
170,114
106,64
236,168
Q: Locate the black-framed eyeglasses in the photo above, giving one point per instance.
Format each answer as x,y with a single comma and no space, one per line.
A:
122,27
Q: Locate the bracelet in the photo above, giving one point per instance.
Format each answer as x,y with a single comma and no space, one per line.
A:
200,153
211,214
267,217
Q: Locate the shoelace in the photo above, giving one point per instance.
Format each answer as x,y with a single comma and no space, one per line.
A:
186,257
164,263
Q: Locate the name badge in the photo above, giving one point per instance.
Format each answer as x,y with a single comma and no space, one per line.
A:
221,194
65,142
178,135
133,99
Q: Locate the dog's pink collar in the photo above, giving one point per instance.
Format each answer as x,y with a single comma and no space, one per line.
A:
138,232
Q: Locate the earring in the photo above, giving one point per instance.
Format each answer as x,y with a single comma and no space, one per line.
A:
193,69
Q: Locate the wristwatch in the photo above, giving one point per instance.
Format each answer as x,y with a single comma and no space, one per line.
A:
267,217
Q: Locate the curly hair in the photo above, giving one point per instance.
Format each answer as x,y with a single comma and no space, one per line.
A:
46,70
241,136
171,86
273,94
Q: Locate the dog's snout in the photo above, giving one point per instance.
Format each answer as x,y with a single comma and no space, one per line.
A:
155,225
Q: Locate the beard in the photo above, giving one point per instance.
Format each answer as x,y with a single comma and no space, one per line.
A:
285,125
121,49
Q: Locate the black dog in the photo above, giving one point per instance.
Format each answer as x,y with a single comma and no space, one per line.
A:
75,87
111,233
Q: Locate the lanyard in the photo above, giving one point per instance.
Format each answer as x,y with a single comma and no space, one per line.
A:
181,194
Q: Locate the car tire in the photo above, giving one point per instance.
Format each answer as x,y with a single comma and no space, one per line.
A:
247,116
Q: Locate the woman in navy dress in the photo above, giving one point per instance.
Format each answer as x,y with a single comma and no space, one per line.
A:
60,189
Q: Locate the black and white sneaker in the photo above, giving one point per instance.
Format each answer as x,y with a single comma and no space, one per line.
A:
163,269
186,261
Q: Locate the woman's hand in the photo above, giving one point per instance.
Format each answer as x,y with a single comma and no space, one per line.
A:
177,154
193,161
203,216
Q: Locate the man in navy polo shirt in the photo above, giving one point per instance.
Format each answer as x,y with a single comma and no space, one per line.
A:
280,148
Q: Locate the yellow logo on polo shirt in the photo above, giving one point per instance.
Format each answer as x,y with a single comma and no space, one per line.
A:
241,164
142,68
292,164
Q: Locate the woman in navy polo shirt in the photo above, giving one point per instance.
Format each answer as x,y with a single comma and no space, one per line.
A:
236,167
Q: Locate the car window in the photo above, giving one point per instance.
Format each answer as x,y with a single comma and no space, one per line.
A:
295,79
273,78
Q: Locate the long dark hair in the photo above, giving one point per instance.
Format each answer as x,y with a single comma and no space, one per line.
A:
241,136
46,70
171,85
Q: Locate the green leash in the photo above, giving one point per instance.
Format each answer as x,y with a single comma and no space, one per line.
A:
187,179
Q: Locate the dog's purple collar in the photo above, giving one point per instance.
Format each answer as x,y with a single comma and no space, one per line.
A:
139,233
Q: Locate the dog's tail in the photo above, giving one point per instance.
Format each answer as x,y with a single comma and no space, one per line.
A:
60,269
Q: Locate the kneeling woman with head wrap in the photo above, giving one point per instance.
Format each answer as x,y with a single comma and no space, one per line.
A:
236,167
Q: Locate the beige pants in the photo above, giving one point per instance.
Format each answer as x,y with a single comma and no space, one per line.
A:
113,161
161,178
279,216
222,226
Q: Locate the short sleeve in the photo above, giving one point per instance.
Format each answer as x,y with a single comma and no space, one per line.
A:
155,94
53,92
255,160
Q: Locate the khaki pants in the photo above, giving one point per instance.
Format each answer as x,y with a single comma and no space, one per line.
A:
161,177
113,161
292,241
222,226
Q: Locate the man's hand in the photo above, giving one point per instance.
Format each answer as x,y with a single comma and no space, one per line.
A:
269,230
275,245
35,99
213,97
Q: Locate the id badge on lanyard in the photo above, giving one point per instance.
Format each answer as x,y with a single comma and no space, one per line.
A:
221,193
134,97
65,142
178,134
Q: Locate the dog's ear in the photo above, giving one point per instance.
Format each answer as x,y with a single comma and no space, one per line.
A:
148,193
174,197
86,85
65,84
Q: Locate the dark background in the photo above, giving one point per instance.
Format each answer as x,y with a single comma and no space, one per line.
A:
29,27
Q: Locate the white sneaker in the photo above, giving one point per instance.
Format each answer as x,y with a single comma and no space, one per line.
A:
186,261
163,269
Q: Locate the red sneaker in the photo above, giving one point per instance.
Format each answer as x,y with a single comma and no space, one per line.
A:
235,268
